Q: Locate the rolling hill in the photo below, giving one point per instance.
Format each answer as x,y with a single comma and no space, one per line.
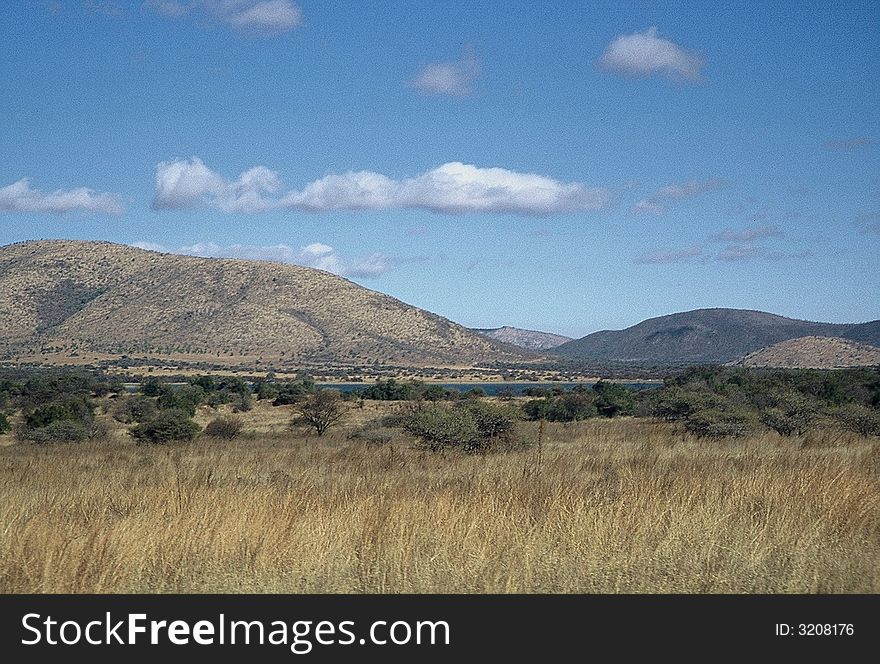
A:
528,339
72,298
706,335
813,353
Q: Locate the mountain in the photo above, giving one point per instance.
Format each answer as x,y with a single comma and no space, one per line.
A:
813,353
528,339
706,335
76,298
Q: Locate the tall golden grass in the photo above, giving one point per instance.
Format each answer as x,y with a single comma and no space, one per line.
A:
604,506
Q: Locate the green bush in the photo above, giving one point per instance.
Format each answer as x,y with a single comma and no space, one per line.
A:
613,399
167,426
151,387
859,419
792,415
714,423
472,426
441,427
185,397
569,407
5,426
388,390
74,409
58,431
136,408
673,404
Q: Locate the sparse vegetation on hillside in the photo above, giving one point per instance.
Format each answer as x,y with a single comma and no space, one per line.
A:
70,299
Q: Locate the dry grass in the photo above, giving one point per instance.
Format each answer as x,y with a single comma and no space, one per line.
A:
628,506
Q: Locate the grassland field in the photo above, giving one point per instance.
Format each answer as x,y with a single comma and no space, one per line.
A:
600,506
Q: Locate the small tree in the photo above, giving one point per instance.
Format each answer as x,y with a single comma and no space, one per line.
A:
613,399
4,423
168,426
791,416
320,411
135,408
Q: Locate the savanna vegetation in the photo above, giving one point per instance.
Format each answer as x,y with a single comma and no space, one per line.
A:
723,480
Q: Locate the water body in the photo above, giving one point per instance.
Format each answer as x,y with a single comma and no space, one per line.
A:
492,389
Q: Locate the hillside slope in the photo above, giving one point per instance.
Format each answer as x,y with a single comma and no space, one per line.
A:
813,353
706,335
75,297
528,339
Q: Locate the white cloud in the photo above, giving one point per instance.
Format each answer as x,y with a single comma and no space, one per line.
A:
654,203
646,54
20,197
270,17
185,184
746,234
263,18
666,256
453,78
451,188
316,255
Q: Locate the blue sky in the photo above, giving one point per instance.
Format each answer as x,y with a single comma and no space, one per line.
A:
566,166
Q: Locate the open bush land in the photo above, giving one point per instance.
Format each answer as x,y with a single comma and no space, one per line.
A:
601,506
725,480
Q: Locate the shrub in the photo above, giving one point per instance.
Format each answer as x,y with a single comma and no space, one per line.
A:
186,398
442,427
224,427
473,426
244,404
859,419
137,408
714,423
5,426
613,399
58,431
74,409
292,393
432,393
674,404
265,389
791,416
388,390
568,407
151,387
167,426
